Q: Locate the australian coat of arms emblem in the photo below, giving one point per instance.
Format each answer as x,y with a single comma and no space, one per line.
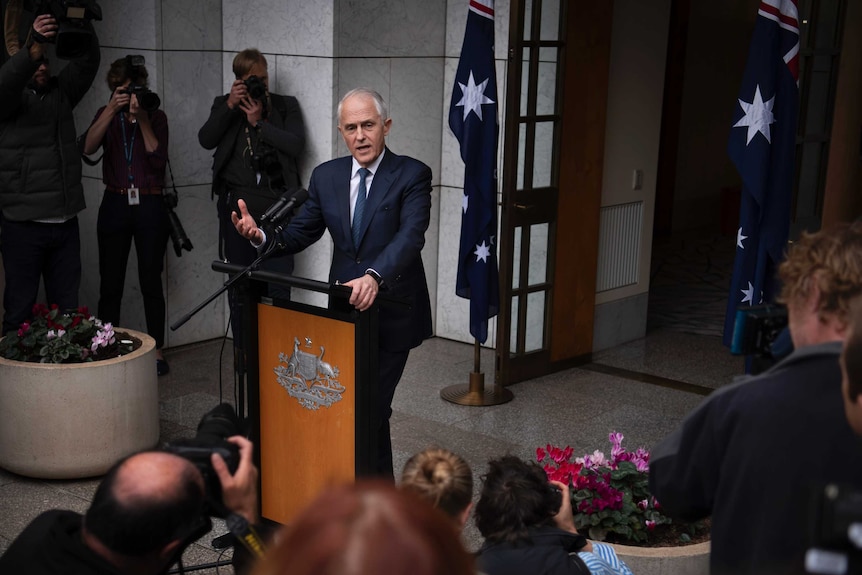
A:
305,376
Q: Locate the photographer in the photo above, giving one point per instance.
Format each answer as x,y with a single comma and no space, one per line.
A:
258,137
751,454
135,144
528,526
147,510
40,174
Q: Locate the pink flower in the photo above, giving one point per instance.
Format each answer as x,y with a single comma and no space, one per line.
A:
650,524
540,454
643,504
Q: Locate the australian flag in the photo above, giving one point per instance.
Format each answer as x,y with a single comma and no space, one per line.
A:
762,146
473,120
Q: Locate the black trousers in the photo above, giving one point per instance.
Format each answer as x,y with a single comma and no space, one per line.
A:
31,252
391,366
146,224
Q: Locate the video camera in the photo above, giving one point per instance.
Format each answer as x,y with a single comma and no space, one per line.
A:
148,99
755,330
835,538
213,430
74,29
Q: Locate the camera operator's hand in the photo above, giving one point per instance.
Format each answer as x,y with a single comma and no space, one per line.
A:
44,28
245,224
238,91
239,491
119,100
253,110
564,519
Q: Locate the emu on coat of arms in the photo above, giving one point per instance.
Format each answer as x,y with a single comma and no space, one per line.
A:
305,376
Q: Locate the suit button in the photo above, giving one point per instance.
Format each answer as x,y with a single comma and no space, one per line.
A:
359,261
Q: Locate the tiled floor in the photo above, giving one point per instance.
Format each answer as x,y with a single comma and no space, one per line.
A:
638,389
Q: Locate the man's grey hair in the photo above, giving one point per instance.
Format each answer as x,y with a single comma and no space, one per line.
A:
367,92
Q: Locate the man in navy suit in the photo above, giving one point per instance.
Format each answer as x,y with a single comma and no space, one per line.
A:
376,206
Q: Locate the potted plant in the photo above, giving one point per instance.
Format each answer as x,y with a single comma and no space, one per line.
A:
611,502
75,395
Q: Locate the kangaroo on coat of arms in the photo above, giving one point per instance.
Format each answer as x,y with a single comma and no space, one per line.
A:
305,376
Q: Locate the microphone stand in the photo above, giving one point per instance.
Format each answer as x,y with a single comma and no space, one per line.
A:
270,250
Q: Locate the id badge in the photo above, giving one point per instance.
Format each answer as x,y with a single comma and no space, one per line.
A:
134,196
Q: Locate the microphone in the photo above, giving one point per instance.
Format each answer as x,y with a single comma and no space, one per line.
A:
297,200
277,205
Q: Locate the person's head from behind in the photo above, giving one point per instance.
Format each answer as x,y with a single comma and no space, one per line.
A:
368,528
443,479
363,122
250,62
145,509
851,368
820,276
516,496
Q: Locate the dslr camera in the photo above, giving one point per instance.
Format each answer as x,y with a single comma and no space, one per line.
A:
74,29
213,430
754,332
256,88
148,99
835,536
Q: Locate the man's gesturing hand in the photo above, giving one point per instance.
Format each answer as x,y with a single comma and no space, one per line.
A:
245,224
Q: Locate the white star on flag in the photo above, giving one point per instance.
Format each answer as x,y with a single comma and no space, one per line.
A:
749,294
473,96
739,238
758,116
482,252
465,202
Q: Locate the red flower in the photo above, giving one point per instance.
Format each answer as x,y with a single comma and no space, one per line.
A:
540,454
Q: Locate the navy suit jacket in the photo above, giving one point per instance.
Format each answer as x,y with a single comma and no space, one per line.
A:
396,216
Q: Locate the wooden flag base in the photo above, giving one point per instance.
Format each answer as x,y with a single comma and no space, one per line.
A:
475,393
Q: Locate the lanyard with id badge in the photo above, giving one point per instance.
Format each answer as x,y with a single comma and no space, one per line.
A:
133,193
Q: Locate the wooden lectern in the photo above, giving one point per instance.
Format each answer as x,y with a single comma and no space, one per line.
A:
310,389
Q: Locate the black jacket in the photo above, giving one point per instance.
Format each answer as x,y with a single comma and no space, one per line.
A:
52,544
551,551
40,165
751,456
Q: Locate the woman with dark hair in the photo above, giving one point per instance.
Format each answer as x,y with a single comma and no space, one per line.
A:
135,144
368,528
528,526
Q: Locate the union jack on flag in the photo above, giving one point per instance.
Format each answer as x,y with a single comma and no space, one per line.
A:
762,146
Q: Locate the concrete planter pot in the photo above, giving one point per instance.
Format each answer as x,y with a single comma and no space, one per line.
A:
683,560
65,421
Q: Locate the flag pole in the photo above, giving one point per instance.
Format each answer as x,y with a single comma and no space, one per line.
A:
474,393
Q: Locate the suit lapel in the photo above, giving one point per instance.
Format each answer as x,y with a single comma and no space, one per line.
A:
380,186
341,184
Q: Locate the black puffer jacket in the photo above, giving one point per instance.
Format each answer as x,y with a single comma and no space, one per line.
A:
40,165
550,551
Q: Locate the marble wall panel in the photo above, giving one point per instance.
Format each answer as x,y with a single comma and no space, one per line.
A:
130,23
310,81
453,312
391,28
279,27
415,104
190,278
194,26
191,81
89,292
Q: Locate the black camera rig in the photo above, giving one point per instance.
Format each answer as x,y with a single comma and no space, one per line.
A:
74,29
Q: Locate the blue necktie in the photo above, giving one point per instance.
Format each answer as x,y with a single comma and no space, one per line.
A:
359,207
